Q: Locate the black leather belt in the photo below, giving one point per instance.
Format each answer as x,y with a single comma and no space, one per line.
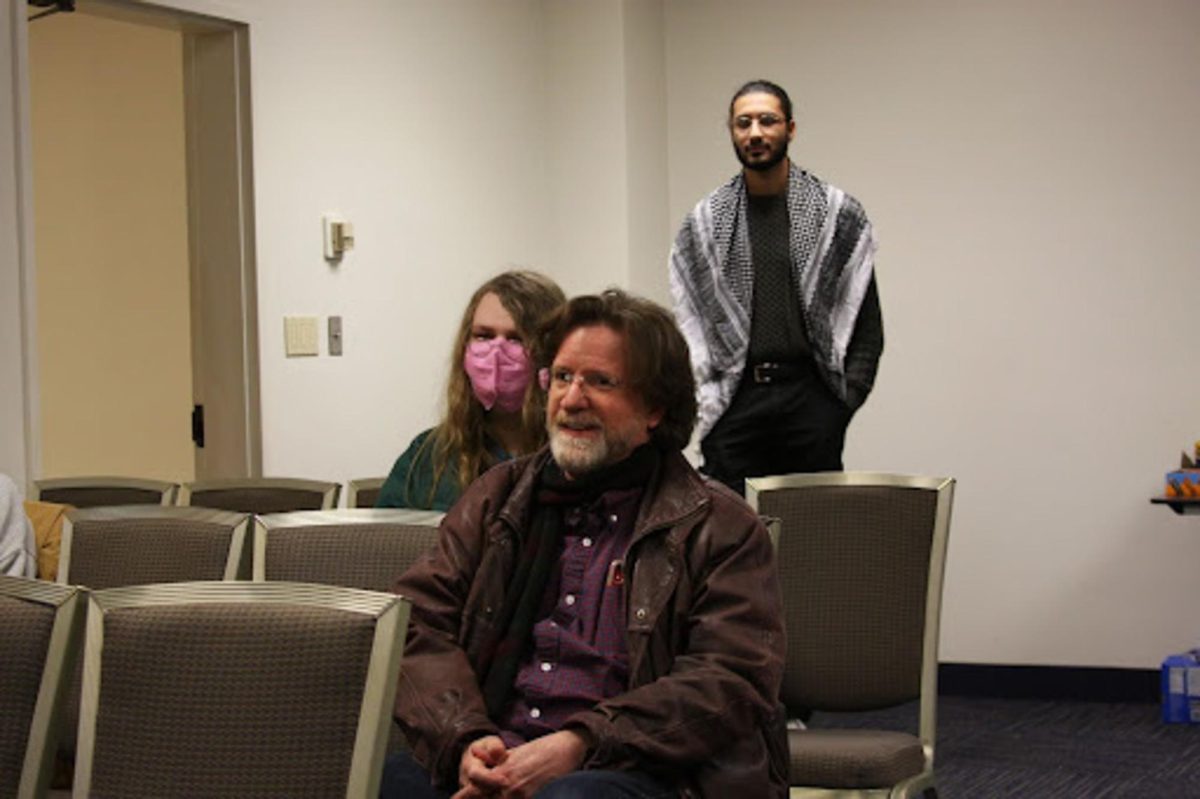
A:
767,372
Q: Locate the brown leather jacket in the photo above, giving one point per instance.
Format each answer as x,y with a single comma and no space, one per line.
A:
705,636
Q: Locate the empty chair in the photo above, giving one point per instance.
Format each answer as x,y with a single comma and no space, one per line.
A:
861,558
135,545
363,492
131,545
40,631
92,492
238,689
359,548
261,494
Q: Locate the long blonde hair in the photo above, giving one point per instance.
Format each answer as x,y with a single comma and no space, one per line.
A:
529,297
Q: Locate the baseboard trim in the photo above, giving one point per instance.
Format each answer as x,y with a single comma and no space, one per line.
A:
1049,682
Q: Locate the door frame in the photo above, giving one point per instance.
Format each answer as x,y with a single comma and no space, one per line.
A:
222,282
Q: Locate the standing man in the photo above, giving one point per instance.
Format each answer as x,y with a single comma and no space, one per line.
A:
597,619
772,278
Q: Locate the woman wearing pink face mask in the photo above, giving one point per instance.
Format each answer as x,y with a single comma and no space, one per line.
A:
493,408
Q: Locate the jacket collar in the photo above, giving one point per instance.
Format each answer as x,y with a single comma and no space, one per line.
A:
515,512
677,492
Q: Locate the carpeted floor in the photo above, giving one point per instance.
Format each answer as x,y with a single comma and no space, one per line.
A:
1034,749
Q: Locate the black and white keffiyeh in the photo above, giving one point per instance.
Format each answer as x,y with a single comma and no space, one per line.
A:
712,282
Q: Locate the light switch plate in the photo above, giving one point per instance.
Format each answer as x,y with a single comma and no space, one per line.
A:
300,335
335,335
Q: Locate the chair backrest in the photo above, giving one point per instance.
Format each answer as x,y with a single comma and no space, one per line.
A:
138,544
355,547
100,491
363,492
238,689
261,494
40,631
861,558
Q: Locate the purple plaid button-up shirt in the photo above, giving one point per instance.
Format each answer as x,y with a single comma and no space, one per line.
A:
578,656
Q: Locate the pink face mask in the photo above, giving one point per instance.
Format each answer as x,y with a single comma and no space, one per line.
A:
499,370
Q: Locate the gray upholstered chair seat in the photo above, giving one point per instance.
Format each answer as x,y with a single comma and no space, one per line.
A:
853,758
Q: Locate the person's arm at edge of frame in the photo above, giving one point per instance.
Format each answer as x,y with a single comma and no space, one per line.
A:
440,723
737,644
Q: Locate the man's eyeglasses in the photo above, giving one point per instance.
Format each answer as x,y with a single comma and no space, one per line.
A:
744,121
560,379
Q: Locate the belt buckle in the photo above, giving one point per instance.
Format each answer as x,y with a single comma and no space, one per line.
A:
762,372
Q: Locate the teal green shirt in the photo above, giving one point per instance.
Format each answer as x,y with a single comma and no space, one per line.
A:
418,491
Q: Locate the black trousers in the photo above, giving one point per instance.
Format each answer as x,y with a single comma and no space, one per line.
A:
794,424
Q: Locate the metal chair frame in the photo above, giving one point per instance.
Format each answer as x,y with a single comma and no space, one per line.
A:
354,487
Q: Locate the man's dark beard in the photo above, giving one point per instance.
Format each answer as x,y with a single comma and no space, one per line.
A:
763,166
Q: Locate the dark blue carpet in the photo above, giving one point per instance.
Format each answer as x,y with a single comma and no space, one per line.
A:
1033,748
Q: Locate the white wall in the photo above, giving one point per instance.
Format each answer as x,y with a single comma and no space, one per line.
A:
413,119
460,138
644,62
1028,169
582,117
1031,171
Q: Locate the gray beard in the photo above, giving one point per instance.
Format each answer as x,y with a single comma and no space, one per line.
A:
578,457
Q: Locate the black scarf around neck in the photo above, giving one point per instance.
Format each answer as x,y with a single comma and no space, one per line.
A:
539,549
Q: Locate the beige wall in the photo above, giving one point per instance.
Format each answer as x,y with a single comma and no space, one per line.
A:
111,243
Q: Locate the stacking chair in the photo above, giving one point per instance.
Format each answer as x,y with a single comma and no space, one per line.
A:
136,545
131,545
261,494
355,547
40,631
363,492
238,689
91,492
861,558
